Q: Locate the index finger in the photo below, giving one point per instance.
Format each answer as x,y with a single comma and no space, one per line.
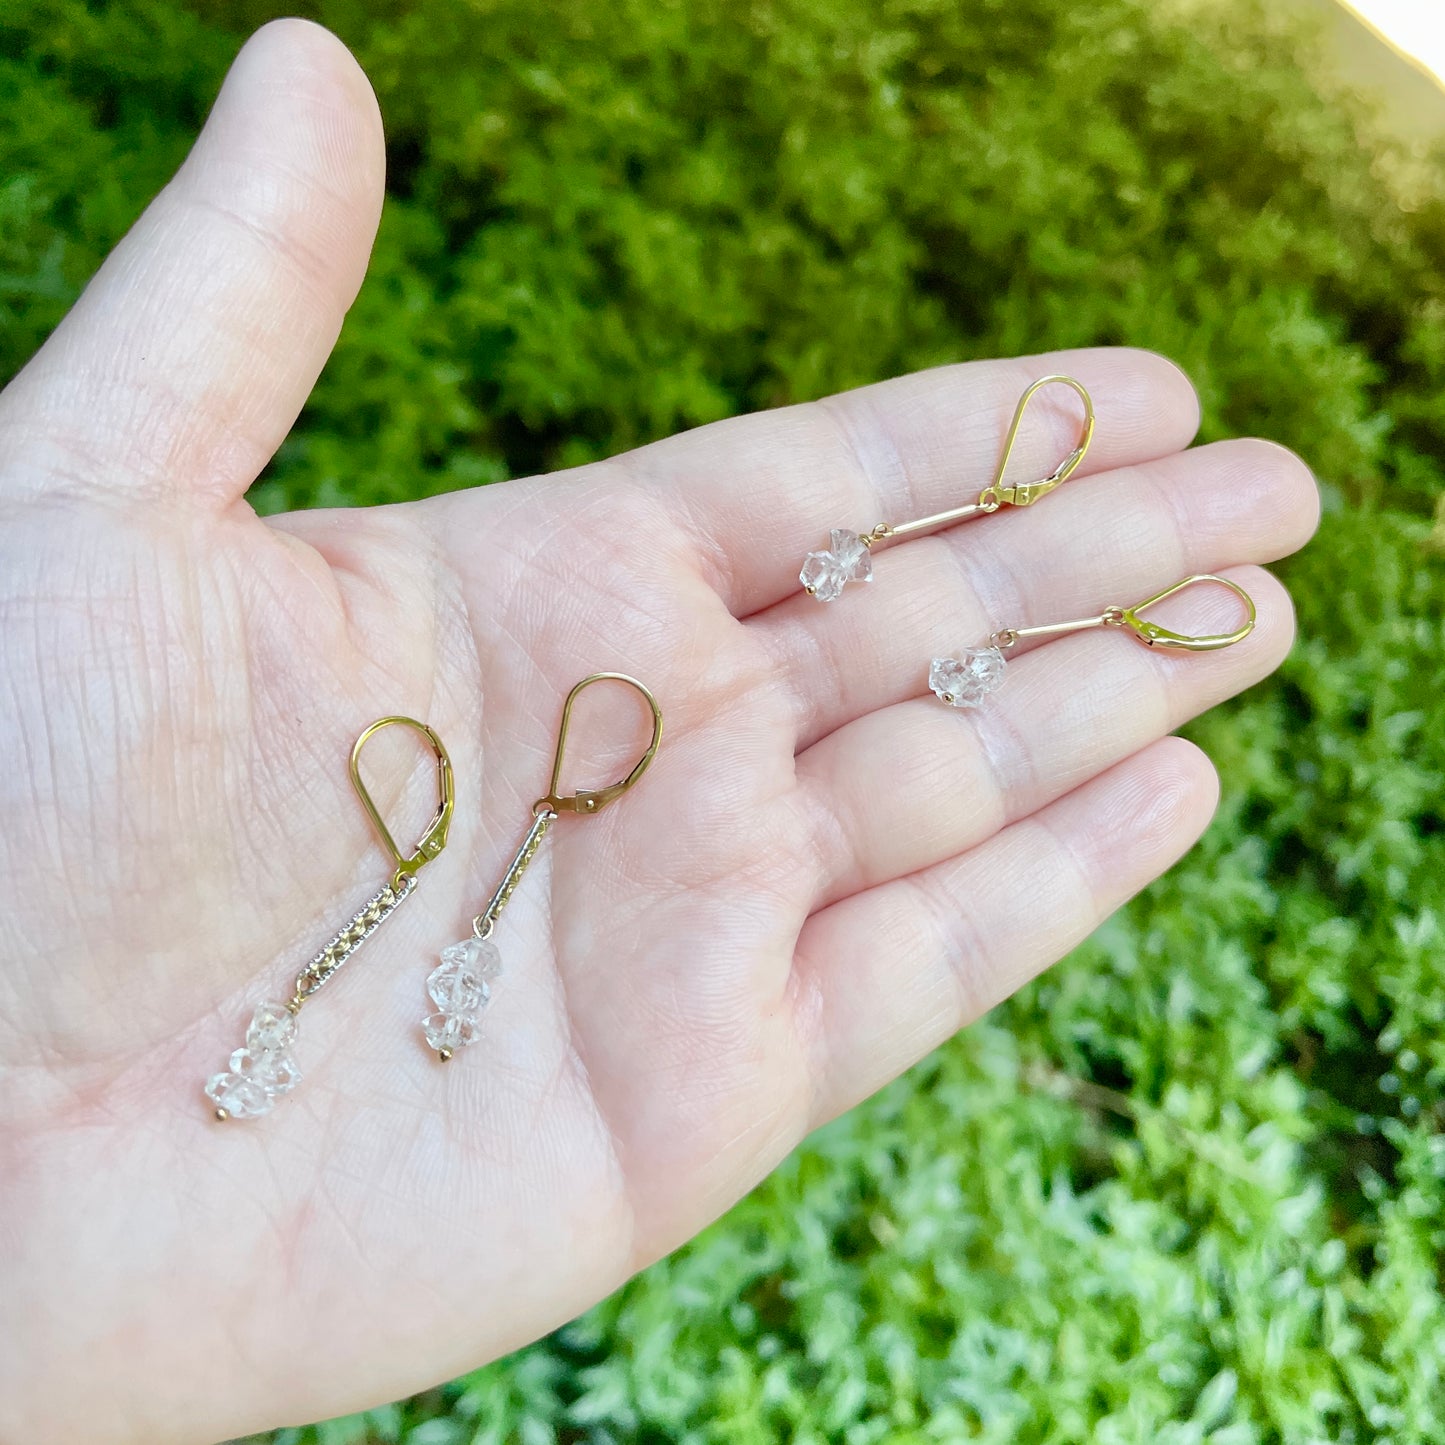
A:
760,492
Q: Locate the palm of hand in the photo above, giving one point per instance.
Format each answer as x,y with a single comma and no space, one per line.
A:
822,876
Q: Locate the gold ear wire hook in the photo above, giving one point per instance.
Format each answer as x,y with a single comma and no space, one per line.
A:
594,800
1154,635
435,838
1022,494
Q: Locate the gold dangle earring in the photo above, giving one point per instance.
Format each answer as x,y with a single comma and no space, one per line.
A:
263,1070
460,986
848,557
965,681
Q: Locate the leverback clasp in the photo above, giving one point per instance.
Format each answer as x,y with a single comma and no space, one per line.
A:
435,838
1152,634
593,800
1023,494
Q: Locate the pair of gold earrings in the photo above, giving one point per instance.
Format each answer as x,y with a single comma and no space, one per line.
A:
966,680
263,1070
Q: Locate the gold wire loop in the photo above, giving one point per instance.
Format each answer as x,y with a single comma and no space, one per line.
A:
1022,494
1154,635
593,800
435,838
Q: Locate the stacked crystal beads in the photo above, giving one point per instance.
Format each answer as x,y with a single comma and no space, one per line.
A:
262,1071
965,681
460,987
847,559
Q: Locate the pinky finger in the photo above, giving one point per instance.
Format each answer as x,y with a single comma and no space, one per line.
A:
889,974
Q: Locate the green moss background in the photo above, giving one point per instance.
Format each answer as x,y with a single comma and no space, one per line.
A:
1190,1186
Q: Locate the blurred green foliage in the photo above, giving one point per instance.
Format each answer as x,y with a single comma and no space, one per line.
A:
1190,1186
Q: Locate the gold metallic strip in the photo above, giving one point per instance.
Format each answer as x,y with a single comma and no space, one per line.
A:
486,920
347,939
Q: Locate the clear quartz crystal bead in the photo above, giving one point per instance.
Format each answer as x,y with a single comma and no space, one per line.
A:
449,1031
273,1026
460,983
965,681
847,559
460,987
261,1071
276,1072
239,1097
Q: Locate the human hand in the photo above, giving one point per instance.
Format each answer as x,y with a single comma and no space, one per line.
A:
825,874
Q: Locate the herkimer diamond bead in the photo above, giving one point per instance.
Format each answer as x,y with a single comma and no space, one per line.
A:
238,1097
460,987
449,1032
459,983
261,1071
274,1070
273,1026
848,559
965,681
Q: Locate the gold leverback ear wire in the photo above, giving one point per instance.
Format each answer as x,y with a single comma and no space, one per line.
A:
461,985
263,1069
435,838
593,800
965,681
1024,494
1153,635
848,557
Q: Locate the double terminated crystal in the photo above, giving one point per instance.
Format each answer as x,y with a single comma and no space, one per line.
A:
460,987
965,681
825,574
262,1071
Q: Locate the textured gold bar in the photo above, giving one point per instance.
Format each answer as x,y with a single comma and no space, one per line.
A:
347,939
483,923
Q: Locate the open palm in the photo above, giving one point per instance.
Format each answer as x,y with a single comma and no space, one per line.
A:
824,875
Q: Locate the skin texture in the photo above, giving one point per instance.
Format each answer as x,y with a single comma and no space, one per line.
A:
825,874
